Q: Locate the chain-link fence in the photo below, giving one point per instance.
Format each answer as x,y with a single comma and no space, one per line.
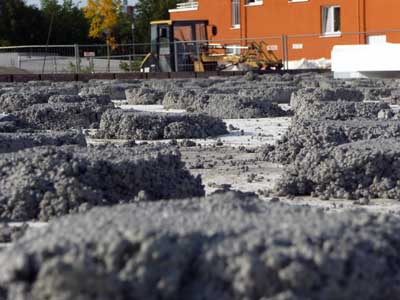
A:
184,55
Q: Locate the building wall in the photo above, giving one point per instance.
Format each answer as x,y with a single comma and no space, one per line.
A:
279,17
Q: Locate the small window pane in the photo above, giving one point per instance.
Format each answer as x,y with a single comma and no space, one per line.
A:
337,19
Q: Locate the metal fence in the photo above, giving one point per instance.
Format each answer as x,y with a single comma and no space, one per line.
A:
181,55
74,58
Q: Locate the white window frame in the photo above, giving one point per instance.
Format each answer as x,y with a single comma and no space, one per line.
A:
235,13
328,17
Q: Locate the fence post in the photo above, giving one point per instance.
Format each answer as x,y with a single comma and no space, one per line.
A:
283,51
130,63
287,52
198,56
176,57
77,59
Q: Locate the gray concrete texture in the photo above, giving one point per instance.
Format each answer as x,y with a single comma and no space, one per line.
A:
12,142
223,247
120,124
46,182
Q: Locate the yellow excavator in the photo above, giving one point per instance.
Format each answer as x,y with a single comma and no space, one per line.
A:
183,46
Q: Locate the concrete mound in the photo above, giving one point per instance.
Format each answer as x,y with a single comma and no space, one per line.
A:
114,90
182,99
42,183
94,99
363,169
224,247
10,234
119,124
62,116
10,123
340,110
225,106
143,96
305,134
11,142
12,102
311,95
236,107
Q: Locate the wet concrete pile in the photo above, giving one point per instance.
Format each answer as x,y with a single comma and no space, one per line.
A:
10,234
144,96
48,111
332,149
10,123
12,101
364,169
62,116
11,142
120,124
47,182
221,105
93,99
334,104
115,89
224,247
306,134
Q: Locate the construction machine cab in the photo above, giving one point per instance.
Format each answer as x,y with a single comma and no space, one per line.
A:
177,46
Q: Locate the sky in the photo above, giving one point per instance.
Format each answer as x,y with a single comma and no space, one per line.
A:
82,2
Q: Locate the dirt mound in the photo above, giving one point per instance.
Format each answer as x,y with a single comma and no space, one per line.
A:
119,124
224,247
41,183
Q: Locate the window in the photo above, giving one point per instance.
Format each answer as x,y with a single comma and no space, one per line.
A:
233,49
330,20
254,2
236,13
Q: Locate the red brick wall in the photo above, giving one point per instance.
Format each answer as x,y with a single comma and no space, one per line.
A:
277,17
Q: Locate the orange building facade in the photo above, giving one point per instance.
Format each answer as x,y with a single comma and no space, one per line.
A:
301,28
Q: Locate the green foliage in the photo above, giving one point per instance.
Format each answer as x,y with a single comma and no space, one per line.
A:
150,10
70,25
135,65
71,68
20,24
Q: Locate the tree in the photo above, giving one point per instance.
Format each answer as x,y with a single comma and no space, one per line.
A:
20,24
103,18
70,25
150,10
